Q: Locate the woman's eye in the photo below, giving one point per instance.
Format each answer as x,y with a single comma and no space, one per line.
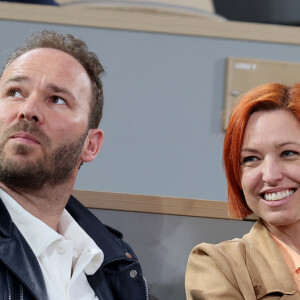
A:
58,100
15,93
249,159
288,153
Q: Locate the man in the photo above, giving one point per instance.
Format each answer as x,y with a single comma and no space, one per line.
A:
51,247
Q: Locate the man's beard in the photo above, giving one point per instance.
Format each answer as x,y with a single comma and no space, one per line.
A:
54,168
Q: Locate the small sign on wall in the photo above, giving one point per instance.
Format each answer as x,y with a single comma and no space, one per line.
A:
244,74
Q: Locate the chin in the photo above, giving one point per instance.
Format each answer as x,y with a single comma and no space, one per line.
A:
281,219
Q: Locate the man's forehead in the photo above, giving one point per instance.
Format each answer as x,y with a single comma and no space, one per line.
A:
46,54
48,61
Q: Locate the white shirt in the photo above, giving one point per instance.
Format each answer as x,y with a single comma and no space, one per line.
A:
64,257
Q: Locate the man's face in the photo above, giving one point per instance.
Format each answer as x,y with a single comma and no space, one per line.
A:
44,106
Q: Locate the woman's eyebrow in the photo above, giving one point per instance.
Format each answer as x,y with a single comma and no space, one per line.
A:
287,143
248,149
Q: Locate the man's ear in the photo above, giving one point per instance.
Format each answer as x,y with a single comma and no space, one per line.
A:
92,145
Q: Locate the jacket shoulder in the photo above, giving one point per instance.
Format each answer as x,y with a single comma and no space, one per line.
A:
118,234
218,270
247,268
228,257
235,249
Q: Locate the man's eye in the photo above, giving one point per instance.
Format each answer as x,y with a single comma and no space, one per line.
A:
15,93
58,100
289,153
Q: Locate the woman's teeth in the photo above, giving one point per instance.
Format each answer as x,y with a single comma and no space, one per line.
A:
278,195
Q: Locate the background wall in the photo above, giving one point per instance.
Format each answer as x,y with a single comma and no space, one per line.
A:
162,124
163,106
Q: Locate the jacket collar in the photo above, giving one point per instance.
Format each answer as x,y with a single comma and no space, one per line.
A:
15,252
101,235
17,256
5,221
110,243
114,250
269,272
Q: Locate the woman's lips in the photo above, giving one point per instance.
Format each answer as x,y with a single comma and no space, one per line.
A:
275,196
278,198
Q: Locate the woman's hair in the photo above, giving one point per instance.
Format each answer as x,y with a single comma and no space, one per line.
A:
269,96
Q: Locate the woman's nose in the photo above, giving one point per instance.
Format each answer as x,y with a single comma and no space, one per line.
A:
272,171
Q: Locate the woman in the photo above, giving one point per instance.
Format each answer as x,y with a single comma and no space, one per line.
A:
262,163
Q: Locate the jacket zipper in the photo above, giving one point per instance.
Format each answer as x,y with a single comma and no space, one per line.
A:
146,288
8,285
21,292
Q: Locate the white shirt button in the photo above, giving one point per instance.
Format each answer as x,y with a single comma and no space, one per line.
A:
61,250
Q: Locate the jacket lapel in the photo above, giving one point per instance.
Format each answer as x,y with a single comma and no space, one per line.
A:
17,256
101,235
267,268
111,247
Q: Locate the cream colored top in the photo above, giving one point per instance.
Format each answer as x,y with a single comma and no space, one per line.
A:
291,257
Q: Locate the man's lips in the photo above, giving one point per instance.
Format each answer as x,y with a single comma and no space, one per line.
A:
25,137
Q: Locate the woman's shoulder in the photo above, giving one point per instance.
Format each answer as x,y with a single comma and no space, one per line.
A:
219,269
224,245
237,246
237,267
214,270
224,252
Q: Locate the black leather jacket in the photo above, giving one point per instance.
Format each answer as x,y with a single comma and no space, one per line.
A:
119,277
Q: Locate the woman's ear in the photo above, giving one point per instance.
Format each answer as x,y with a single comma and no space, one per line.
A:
92,145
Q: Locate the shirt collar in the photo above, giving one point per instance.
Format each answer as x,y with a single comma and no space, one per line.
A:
40,236
83,244
37,234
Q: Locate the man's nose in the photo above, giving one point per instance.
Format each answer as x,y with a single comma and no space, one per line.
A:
272,171
31,110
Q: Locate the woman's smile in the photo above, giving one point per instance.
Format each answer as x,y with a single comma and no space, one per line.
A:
270,166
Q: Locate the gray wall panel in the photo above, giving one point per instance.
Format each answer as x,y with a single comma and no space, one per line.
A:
163,100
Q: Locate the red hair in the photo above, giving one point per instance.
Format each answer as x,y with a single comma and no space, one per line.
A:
269,96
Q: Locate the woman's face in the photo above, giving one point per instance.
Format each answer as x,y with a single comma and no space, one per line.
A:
270,166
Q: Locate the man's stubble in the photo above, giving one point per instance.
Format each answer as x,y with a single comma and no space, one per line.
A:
53,168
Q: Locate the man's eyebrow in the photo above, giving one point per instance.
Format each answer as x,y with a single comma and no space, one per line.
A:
58,89
17,79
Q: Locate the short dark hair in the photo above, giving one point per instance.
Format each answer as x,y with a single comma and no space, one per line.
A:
79,50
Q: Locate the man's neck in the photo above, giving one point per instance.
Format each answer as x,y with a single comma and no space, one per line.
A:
47,204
